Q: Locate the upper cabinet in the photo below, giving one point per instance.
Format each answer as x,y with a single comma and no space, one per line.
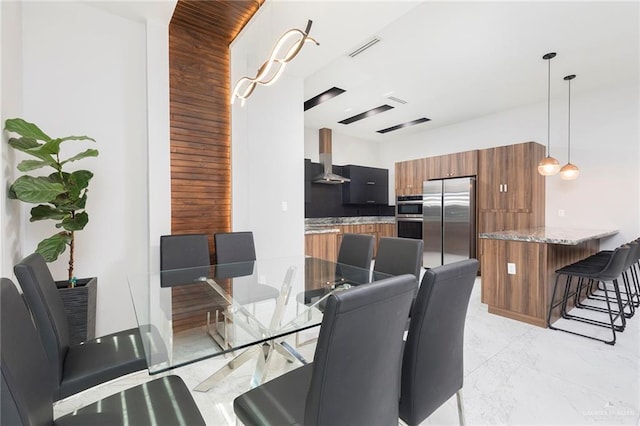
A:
508,178
369,185
409,176
510,189
452,165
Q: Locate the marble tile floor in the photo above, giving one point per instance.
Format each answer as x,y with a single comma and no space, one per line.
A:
515,374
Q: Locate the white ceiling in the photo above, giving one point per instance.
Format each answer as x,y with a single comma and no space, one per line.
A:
453,61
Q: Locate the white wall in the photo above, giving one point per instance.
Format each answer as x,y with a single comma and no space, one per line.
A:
10,107
267,155
605,146
84,72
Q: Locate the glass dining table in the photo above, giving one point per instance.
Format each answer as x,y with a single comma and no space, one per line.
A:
246,309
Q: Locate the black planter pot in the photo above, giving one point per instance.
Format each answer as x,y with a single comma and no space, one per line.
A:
80,307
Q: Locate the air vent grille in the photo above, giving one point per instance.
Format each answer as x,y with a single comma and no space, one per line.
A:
364,47
398,100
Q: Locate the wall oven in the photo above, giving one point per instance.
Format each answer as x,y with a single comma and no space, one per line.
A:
409,216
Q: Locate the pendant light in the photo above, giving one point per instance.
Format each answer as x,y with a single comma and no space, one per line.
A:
549,165
569,171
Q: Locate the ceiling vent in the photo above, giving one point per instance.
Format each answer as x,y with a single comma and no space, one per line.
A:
364,47
398,100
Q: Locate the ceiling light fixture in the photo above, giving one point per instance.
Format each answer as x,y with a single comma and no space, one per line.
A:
272,69
549,165
569,171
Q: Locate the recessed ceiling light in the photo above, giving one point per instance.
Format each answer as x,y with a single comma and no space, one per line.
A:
323,97
371,112
407,124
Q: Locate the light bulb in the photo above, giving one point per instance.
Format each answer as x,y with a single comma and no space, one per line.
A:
569,172
548,167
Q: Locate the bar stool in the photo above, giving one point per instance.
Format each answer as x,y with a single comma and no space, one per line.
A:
630,296
591,269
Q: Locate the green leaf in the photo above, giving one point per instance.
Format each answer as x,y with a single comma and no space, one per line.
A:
32,147
24,144
77,138
42,212
28,165
26,129
51,147
36,189
76,223
80,178
52,247
88,153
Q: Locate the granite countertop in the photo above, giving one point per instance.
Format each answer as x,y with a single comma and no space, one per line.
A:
549,235
323,225
308,231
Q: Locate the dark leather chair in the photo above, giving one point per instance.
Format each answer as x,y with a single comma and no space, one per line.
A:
398,256
74,368
355,250
354,379
183,259
432,365
27,376
238,248
232,247
598,271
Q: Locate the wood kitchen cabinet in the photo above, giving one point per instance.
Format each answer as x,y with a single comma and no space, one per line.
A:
510,189
322,245
452,165
508,178
409,176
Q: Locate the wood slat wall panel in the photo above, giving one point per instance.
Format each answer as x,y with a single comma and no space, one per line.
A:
200,130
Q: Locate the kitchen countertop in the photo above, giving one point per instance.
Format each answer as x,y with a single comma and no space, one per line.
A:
324,225
549,235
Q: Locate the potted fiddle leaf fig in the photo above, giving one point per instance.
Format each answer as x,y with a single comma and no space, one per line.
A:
59,195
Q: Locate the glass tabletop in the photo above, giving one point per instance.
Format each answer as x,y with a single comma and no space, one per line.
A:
186,315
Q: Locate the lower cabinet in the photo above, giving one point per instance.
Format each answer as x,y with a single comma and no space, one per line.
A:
327,245
322,246
524,292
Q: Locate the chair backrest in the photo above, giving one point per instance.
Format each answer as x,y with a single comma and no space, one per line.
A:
26,397
184,251
356,368
616,263
356,250
45,303
432,366
397,256
234,247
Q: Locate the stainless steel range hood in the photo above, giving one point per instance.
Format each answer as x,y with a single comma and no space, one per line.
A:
327,177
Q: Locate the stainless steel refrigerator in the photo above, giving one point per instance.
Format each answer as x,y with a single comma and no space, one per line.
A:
449,225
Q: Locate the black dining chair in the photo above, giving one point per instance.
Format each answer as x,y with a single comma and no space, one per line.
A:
75,368
432,365
183,259
236,252
26,397
398,256
353,265
354,378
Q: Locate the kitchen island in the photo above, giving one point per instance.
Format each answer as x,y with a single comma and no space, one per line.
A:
518,268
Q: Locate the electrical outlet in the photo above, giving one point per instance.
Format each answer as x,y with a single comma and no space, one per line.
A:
511,268
561,212
285,206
